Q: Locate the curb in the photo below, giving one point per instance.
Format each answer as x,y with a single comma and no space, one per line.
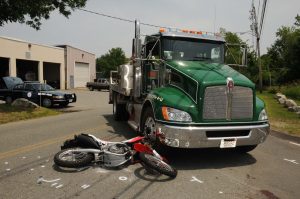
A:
285,136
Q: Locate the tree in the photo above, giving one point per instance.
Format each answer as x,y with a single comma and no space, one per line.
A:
284,53
32,12
110,61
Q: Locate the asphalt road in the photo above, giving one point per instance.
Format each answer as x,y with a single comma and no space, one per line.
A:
27,148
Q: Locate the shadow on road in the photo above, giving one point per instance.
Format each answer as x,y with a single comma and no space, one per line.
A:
120,128
191,159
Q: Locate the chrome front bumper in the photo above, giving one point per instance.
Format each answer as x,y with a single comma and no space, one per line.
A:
195,137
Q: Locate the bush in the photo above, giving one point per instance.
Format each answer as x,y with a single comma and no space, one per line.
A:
292,92
273,90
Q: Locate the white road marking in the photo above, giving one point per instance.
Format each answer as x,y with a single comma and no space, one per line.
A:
85,186
8,169
53,184
122,178
59,186
41,179
194,179
39,157
292,161
294,143
220,192
32,169
43,166
5,162
23,157
127,170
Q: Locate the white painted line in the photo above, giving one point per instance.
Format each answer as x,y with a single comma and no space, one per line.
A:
220,192
292,161
59,186
8,169
39,157
5,162
32,169
43,166
41,179
23,157
294,143
122,178
53,184
85,186
194,179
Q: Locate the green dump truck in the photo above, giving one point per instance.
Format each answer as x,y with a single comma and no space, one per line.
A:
179,85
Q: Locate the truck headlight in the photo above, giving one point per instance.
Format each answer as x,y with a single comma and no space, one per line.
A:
172,114
263,115
58,97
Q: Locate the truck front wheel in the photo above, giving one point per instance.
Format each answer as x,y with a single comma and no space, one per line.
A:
119,110
148,124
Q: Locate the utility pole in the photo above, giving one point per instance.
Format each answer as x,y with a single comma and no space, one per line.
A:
257,33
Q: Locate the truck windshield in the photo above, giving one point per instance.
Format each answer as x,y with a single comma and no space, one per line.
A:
187,49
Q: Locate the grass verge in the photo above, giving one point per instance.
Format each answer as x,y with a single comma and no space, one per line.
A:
280,118
11,114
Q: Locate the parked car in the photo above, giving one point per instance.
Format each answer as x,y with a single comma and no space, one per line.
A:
12,88
99,84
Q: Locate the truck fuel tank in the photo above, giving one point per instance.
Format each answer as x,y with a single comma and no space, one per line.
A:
126,76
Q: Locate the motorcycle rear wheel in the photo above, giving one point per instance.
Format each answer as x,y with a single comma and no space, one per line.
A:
71,159
158,165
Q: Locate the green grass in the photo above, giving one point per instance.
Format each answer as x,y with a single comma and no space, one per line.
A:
11,114
280,118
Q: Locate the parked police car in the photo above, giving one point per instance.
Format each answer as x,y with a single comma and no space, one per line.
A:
12,88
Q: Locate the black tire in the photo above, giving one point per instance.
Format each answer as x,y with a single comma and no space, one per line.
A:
91,88
8,100
148,121
245,149
80,159
46,102
119,110
158,165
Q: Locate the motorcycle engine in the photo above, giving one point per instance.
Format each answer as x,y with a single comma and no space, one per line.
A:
116,155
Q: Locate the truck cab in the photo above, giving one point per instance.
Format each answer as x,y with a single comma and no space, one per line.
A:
179,86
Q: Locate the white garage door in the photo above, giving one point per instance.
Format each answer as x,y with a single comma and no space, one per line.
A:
81,74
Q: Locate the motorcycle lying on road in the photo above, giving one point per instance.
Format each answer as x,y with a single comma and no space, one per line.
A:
86,148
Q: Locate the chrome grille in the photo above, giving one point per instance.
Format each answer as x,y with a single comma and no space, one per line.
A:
220,104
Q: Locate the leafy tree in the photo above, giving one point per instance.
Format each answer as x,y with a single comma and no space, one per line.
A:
284,53
110,61
32,12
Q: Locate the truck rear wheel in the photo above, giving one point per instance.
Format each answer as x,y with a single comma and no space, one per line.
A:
119,110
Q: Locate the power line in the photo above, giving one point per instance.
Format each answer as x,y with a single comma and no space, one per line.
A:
130,20
123,19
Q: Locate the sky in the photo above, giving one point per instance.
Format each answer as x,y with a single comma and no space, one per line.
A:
97,34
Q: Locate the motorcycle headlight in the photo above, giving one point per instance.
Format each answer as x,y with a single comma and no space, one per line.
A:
263,115
58,97
172,114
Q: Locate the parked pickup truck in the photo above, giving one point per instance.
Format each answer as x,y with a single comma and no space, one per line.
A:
99,84
12,88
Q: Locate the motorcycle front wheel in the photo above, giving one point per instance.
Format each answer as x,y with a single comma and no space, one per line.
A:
158,165
73,159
